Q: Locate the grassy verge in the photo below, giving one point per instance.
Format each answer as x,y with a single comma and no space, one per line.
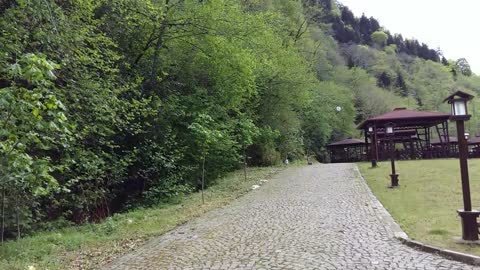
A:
425,204
91,245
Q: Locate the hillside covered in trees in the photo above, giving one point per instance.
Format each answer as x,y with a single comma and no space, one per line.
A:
107,105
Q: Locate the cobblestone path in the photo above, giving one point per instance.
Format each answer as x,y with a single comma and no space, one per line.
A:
315,217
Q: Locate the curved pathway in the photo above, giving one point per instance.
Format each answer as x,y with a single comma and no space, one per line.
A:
312,217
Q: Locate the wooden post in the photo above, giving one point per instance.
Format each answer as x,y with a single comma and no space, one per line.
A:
449,146
374,151
245,162
469,217
394,175
463,156
367,150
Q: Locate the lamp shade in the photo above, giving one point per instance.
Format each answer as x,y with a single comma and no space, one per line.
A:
458,102
389,130
459,107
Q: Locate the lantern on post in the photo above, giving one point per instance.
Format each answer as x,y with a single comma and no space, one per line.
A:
459,114
389,129
390,132
458,102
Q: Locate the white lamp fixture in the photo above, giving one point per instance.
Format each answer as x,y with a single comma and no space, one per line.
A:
389,130
459,107
458,102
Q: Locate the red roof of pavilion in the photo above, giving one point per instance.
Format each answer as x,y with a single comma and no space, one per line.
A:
403,118
351,141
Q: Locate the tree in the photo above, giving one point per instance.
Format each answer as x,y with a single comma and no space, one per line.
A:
391,49
347,16
379,38
444,61
321,120
247,133
384,80
204,137
463,66
374,25
365,29
33,124
400,83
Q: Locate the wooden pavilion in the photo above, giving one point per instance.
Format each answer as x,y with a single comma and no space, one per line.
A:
453,142
412,134
474,147
348,150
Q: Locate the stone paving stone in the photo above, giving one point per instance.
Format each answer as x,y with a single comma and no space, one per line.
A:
314,217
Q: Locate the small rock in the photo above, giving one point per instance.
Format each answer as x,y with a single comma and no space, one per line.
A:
255,187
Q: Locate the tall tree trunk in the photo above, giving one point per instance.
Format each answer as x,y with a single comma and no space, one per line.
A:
245,162
159,44
203,178
18,217
3,213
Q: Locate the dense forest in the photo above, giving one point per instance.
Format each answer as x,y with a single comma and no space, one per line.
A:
109,105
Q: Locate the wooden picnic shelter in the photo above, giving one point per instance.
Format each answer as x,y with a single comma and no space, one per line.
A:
413,133
453,145
348,150
474,147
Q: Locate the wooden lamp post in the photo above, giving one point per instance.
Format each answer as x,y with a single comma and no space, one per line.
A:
459,114
373,148
389,131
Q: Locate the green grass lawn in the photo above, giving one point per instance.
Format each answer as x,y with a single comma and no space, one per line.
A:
90,245
425,204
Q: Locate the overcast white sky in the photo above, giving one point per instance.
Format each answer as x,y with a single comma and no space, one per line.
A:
453,26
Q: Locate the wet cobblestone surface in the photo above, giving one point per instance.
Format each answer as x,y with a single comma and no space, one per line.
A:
315,217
